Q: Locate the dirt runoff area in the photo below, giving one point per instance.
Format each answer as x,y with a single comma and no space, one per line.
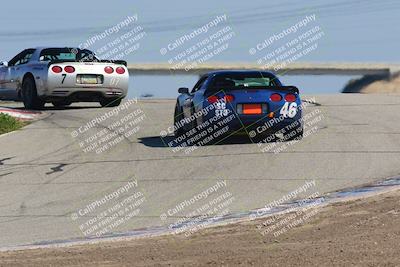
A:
364,232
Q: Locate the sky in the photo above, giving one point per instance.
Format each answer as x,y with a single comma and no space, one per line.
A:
354,31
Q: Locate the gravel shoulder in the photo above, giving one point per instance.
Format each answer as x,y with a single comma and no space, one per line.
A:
363,232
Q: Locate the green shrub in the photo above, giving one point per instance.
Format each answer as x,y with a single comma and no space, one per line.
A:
9,124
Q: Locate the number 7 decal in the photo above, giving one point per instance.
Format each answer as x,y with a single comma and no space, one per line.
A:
64,76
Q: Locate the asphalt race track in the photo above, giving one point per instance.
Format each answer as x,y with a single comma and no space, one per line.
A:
46,177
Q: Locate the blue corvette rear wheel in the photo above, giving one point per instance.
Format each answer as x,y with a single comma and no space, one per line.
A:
178,116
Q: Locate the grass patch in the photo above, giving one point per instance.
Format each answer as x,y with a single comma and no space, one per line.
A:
9,124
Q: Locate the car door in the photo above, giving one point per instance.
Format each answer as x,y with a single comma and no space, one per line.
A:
14,73
3,74
192,100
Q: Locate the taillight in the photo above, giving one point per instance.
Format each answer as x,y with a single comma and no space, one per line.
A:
290,98
229,98
69,69
275,97
108,70
212,99
56,69
120,70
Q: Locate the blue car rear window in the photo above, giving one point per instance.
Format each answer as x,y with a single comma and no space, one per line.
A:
243,81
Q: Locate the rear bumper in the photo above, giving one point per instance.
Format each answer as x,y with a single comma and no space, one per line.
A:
84,94
72,86
104,91
259,124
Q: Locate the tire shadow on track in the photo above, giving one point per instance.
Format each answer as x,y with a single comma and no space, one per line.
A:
158,142
46,108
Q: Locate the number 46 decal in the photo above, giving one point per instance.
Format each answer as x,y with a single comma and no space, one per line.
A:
289,110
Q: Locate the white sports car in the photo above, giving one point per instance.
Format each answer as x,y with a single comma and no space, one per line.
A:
62,76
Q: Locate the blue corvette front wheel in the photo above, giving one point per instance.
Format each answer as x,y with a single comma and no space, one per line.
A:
178,116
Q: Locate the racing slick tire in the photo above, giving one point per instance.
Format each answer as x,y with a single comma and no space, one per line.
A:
105,102
178,117
29,95
61,104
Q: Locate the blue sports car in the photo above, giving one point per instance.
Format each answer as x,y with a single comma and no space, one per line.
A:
224,103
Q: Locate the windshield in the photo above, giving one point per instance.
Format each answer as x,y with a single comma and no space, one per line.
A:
66,54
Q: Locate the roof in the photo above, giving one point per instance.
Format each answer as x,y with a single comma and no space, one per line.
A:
228,72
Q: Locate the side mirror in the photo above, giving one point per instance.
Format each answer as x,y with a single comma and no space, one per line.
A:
4,63
183,90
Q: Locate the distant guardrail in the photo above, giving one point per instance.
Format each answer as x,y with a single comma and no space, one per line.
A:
384,69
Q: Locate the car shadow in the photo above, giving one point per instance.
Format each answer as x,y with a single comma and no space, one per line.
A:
72,108
158,141
64,108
